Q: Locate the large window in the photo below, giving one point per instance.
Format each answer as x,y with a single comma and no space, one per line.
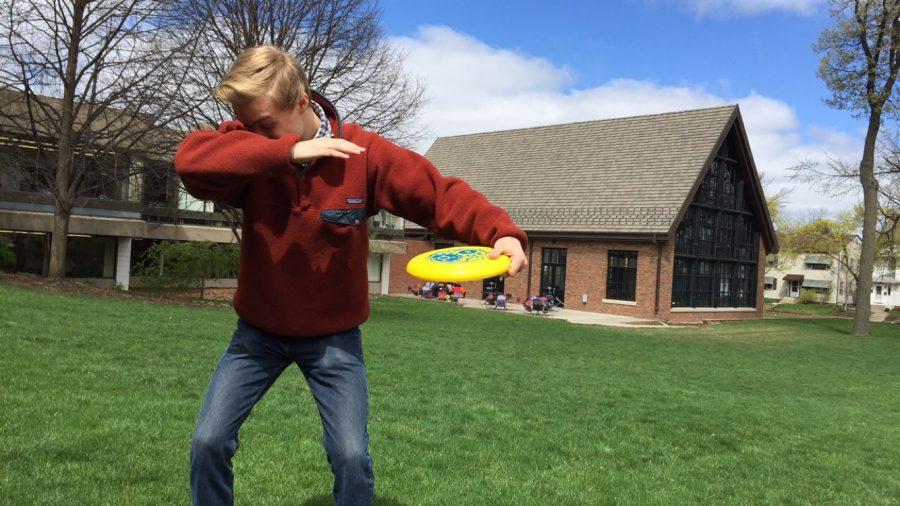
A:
553,272
621,275
716,245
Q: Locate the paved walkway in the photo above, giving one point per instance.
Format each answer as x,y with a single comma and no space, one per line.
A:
570,315
878,313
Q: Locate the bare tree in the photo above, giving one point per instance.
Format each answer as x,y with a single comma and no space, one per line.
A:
340,43
860,61
89,83
837,177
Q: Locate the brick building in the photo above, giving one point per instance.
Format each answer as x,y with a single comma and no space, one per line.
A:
659,216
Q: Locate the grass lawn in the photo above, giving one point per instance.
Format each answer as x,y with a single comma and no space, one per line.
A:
813,309
100,397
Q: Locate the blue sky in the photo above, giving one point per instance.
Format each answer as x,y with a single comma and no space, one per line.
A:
650,55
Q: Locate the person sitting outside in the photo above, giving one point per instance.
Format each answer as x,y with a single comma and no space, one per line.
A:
435,289
536,304
456,293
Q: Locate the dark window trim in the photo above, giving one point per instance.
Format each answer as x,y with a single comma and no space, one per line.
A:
560,257
716,245
621,281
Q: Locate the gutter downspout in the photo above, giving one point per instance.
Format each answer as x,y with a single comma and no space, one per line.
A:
658,270
530,266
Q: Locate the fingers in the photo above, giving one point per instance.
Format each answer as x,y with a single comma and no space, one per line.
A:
305,151
516,264
512,247
345,146
339,145
335,153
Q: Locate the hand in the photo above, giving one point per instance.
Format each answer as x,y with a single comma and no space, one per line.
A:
511,247
307,151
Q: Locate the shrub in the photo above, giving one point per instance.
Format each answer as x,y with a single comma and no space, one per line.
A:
7,255
182,265
808,297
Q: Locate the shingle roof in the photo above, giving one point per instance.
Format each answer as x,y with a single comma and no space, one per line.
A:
621,175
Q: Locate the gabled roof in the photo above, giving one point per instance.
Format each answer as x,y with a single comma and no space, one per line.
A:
630,175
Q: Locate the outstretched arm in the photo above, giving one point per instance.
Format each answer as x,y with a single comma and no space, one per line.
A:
408,185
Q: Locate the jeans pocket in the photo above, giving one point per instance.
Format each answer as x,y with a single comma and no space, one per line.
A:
351,342
243,335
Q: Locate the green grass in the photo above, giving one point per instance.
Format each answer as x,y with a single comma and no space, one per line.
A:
99,398
813,309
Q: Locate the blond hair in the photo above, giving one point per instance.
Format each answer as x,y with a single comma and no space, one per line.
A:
263,70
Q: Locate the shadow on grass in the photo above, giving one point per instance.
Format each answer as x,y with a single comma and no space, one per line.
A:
328,500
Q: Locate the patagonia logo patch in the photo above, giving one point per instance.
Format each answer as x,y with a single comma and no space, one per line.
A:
355,200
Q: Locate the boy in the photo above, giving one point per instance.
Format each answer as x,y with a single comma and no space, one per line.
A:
306,184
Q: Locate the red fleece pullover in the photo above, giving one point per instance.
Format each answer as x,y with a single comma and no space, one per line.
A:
304,244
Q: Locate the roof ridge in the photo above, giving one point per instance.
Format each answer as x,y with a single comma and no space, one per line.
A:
605,120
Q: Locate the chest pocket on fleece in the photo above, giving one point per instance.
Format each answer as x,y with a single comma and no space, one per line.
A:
344,216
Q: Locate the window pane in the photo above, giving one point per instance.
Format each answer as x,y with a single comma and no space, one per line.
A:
553,272
621,279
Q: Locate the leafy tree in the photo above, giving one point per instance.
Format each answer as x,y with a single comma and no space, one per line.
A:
188,264
859,65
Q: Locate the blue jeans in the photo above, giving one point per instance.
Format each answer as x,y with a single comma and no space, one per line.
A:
336,373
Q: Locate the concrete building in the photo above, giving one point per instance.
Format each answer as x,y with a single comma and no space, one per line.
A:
659,216
126,205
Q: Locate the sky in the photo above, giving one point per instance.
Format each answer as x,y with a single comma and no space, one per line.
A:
499,64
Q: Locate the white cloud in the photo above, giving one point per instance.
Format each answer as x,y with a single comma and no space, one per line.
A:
473,87
751,7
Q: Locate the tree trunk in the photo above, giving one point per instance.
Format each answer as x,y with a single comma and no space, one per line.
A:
870,212
63,182
58,242
62,206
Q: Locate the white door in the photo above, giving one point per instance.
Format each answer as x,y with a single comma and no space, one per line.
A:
878,293
795,288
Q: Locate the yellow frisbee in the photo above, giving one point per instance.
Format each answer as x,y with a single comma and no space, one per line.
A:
456,265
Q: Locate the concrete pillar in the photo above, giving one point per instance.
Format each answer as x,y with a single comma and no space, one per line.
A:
123,262
385,272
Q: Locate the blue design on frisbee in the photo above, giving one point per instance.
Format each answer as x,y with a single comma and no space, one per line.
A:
461,256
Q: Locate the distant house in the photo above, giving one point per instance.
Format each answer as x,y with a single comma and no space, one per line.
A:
818,273
123,208
659,216
829,278
886,289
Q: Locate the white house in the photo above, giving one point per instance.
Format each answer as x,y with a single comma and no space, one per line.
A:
885,287
818,273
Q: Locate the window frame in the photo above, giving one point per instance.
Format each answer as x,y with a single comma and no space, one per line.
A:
621,280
